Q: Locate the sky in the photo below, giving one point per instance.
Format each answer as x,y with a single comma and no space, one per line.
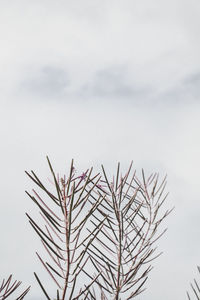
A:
101,82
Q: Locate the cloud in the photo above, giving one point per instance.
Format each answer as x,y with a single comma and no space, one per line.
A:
47,82
124,80
152,38
192,85
113,83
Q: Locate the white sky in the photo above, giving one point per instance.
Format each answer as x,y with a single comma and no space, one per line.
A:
102,82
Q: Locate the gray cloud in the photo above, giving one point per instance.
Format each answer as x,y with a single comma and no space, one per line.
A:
47,82
113,83
186,91
192,85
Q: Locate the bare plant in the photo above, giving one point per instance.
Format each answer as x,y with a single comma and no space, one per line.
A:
99,233
8,287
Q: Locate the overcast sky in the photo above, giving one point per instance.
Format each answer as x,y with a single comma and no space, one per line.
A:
102,81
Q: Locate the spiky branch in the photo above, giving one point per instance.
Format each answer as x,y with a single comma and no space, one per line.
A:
104,229
8,287
124,249
195,288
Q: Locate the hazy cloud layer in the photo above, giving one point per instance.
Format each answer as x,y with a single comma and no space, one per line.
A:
102,82
46,83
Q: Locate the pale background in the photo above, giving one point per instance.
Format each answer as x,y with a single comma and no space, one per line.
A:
101,82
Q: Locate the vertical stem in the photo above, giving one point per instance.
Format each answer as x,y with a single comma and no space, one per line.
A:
67,245
66,196
119,255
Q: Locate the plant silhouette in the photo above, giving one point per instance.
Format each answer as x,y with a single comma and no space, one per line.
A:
99,233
